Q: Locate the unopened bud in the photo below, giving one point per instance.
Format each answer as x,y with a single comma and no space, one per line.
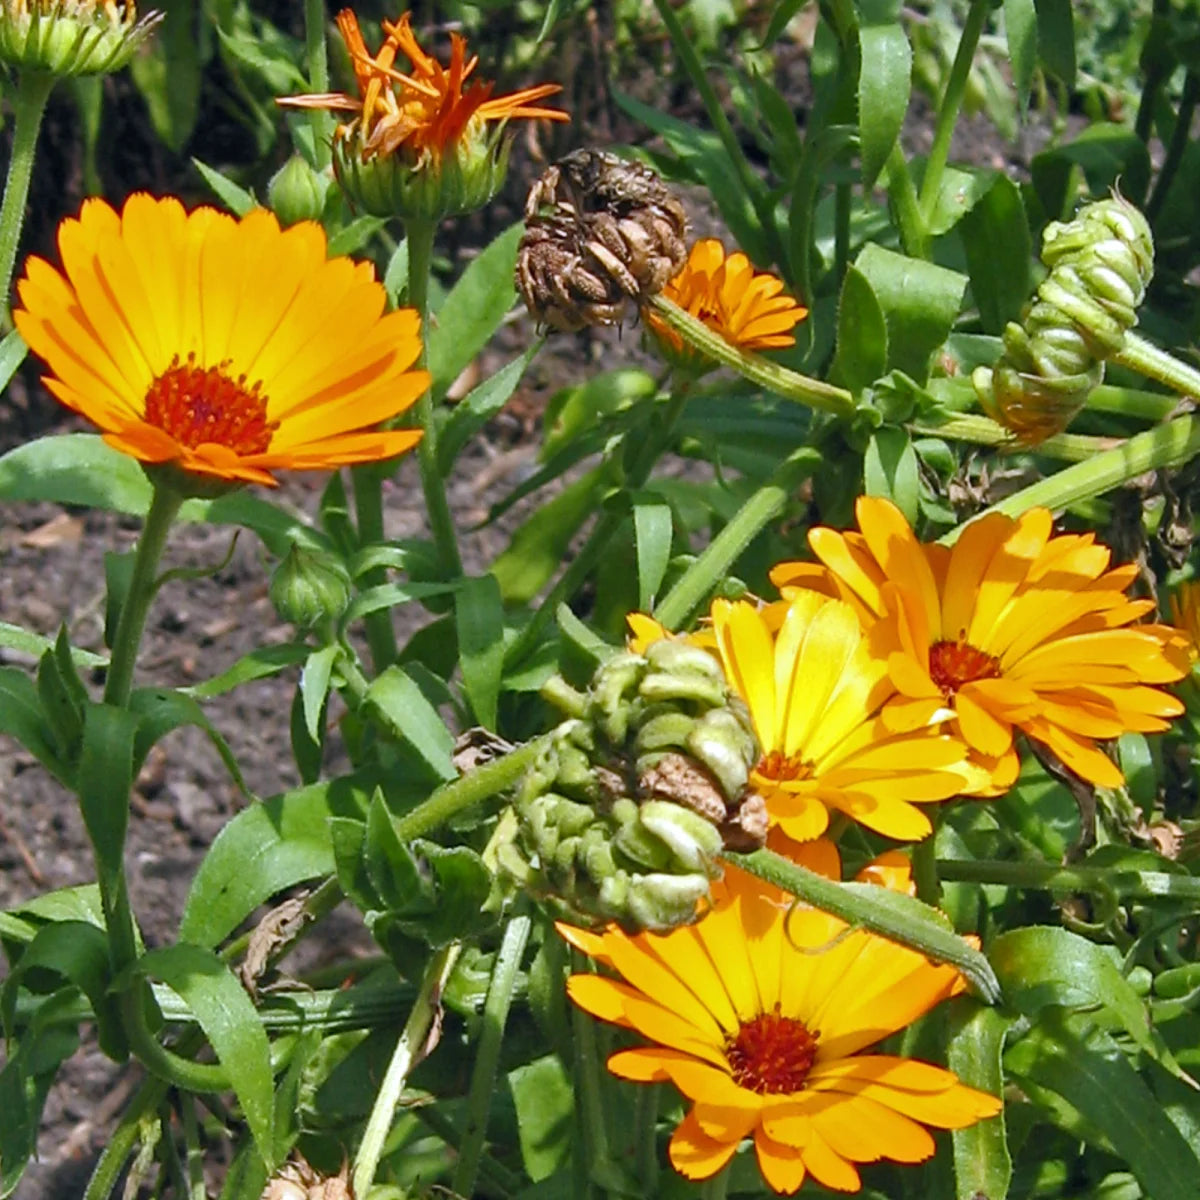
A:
72,37
309,588
297,192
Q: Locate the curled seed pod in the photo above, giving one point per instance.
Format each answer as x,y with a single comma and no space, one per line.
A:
600,233
625,813
1100,265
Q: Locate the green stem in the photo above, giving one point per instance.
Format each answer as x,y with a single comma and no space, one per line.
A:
164,504
503,1181
592,1139
29,106
722,552
1040,876
367,484
979,430
480,784
1147,359
410,1048
111,1164
1131,402
420,256
317,52
487,1055
1168,445
717,1186
791,385
1157,72
1180,138
645,1124
842,196
902,197
948,110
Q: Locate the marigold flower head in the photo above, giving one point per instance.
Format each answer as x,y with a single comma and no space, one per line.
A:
419,142
1012,628
229,348
761,1015
748,308
72,37
815,686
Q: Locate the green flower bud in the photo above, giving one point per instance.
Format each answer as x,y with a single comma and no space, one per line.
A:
72,37
1100,265
297,192
309,588
461,180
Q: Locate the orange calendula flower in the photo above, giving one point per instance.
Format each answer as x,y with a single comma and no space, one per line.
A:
227,347
748,308
1012,628
763,1016
429,117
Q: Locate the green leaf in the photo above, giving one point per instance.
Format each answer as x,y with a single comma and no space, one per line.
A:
479,619
236,198
226,1013
1000,281
920,301
473,310
160,710
74,468
862,338
574,410
353,237
12,354
23,641
1066,1055
260,663
1020,31
1056,38
408,715
544,1098
167,71
890,469
309,752
1105,153
1041,965
654,529
266,848
479,406
76,951
982,1164
959,190
538,547
314,687
21,717
105,779
884,83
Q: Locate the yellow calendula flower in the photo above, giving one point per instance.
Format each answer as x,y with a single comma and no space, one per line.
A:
815,686
1012,628
763,1016
227,347
748,308
426,141
72,37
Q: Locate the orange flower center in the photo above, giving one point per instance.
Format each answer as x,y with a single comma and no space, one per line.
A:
782,768
952,664
197,405
771,1055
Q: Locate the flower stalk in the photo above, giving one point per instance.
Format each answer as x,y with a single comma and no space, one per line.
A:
410,1049
29,106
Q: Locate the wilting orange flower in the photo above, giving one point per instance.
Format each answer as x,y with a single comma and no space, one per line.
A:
1012,628
748,308
428,110
815,687
760,1015
229,348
